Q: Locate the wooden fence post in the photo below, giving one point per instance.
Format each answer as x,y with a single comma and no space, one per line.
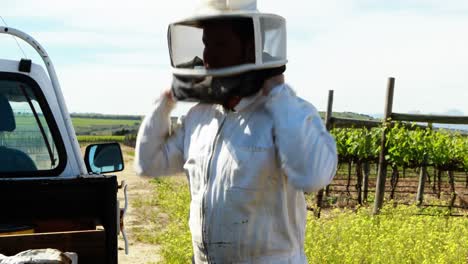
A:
453,194
365,180
328,125
422,178
422,181
359,181
382,173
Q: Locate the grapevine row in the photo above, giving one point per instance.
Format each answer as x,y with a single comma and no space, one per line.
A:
407,147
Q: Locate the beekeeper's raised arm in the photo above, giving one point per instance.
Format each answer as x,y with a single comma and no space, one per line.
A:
157,153
306,151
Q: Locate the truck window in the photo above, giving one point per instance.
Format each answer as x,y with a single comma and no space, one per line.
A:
27,143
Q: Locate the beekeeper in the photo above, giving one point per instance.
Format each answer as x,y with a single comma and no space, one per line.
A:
250,147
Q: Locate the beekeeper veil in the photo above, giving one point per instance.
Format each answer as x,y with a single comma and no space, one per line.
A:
228,48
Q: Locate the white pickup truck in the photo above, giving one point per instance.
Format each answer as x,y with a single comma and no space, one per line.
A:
50,196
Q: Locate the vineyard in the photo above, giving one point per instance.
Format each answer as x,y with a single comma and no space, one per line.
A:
410,150
399,147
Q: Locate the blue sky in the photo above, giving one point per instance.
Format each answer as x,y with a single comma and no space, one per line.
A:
111,56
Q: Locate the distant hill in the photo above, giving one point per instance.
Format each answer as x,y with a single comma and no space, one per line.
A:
350,115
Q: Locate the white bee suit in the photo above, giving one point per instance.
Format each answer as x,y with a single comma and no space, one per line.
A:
248,170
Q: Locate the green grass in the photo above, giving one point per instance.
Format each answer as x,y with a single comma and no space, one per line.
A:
81,122
25,122
88,130
86,122
171,196
398,235
100,126
100,139
84,126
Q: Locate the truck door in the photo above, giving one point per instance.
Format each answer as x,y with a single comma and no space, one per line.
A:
30,142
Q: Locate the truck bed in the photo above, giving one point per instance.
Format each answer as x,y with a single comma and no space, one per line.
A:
66,214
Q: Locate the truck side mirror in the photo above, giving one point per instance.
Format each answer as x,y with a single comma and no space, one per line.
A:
104,158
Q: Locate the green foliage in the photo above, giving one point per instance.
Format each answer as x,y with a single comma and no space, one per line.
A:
357,143
448,150
397,235
406,147
441,149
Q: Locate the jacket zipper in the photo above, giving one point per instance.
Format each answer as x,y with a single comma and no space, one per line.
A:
213,149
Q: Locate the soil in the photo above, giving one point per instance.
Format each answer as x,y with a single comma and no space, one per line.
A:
137,186
405,191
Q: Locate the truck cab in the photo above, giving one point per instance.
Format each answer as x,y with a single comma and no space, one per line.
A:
52,196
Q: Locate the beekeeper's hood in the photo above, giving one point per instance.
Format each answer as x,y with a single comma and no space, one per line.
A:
186,38
266,34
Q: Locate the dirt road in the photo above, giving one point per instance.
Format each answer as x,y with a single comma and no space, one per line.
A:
137,187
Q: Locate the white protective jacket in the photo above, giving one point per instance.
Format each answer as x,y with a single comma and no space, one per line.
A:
248,170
